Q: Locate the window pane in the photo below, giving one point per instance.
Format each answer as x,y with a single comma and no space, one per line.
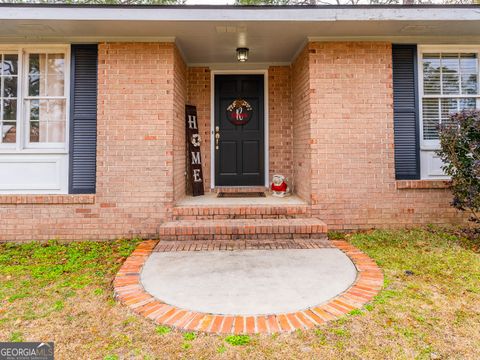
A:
9,109
9,132
9,86
467,104
34,110
468,70
56,64
56,131
9,65
47,121
449,107
34,85
431,117
35,64
55,111
431,74
46,75
34,132
8,98
450,74
54,86
34,76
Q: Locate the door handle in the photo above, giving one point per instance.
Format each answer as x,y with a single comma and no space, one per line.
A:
217,136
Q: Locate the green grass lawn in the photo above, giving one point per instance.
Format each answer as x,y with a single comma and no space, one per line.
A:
429,309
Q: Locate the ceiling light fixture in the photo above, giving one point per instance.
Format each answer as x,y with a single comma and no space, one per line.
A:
242,54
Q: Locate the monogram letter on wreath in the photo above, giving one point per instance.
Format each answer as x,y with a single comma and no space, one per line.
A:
194,166
239,112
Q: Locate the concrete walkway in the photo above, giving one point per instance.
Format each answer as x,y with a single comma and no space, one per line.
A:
248,282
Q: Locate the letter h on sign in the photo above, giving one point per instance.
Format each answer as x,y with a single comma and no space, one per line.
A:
194,166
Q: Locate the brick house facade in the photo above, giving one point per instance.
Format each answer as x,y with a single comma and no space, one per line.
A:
330,131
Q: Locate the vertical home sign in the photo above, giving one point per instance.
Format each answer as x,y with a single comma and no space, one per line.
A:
194,158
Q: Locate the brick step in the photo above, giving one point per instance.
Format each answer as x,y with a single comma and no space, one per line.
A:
233,229
237,189
240,212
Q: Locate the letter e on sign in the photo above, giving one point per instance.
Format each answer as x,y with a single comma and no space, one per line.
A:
196,175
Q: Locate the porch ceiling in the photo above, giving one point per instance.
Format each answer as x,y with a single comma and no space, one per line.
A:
210,34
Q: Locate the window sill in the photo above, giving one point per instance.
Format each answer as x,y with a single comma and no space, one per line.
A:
422,184
7,151
47,199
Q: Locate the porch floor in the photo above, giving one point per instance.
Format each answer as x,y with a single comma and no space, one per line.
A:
211,199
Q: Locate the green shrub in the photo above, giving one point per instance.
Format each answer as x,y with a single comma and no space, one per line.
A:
460,152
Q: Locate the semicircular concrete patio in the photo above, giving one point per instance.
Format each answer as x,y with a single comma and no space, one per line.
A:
247,291
248,282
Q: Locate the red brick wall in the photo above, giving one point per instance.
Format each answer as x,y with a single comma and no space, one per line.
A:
342,156
199,95
135,188
280,122
179,146
301,100
353,176
135,134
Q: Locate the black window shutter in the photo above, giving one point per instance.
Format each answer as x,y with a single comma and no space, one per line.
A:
405,112
83,119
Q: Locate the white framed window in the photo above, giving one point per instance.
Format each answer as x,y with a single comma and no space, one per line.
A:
448,83
34,118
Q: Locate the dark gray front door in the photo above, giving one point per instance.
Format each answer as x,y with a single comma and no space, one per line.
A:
239,130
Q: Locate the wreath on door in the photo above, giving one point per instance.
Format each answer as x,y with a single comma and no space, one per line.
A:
239,112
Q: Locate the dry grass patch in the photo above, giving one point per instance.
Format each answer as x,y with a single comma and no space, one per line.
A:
429,308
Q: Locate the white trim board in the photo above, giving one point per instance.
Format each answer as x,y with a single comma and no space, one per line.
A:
231,67
298,14
33,174
212,118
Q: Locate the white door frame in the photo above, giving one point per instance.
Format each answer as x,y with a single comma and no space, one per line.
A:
212,118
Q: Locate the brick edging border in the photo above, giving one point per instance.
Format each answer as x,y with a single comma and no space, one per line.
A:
130,292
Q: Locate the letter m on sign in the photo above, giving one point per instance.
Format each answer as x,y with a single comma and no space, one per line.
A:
194,163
